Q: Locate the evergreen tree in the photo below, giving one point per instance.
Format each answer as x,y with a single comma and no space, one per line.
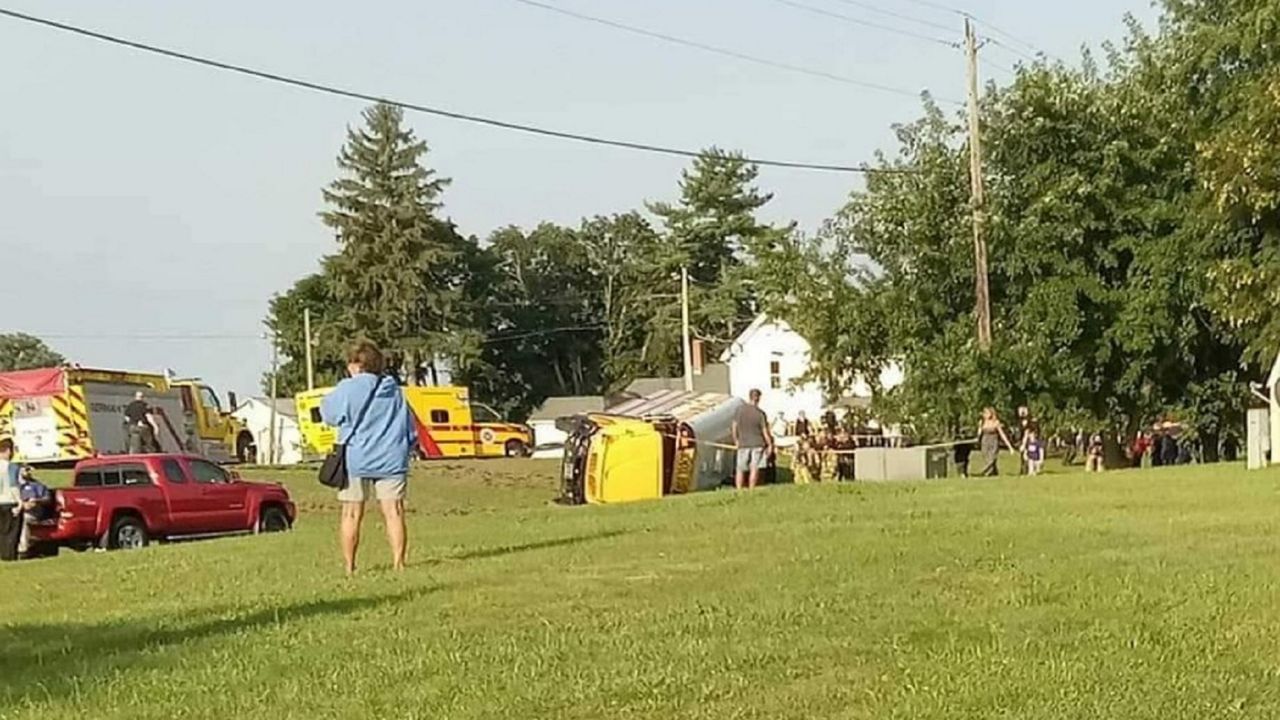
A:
394,277
713,231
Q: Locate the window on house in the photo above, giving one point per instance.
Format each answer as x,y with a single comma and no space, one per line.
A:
775,375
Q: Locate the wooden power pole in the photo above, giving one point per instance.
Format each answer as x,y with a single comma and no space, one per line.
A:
982,289
685,340
306,331
275,375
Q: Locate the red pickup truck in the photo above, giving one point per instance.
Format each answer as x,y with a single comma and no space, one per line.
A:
125,501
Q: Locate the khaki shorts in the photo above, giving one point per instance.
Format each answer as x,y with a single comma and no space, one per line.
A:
385,489
752,458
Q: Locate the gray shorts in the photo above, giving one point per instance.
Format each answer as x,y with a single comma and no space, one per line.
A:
752,458
359,490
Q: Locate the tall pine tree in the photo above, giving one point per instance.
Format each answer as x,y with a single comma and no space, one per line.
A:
714,232
393,277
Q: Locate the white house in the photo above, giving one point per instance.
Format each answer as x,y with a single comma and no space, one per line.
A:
548,439
1273,392
771,357
256,415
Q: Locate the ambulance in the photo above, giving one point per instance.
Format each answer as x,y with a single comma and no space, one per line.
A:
65,414
449,425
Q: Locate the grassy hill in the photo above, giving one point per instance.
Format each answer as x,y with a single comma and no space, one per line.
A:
1148,594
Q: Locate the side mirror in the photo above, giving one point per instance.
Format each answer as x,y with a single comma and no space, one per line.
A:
231,398
234,476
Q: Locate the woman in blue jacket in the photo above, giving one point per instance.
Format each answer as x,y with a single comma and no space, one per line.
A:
375,424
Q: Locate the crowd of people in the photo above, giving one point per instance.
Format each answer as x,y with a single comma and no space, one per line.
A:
820,451
824,451
1164,443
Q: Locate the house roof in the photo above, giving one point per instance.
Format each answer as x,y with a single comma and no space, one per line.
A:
558,407
714,379
284,406
745,337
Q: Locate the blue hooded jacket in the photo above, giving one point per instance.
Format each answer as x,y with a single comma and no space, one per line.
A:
381,446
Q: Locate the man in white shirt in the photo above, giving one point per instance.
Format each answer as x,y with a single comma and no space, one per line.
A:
10,502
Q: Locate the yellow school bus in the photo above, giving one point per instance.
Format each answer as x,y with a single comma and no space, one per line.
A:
449,425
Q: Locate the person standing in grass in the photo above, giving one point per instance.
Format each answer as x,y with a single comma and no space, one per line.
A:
1138,450
10,502
374,422
990,434
803,428
961,451
1095,461
1033,452
753,440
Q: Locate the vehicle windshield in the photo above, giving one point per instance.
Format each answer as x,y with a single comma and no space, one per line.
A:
209,399
484,414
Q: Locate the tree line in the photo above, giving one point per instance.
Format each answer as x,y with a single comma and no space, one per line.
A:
1133,217
1134,239
524,314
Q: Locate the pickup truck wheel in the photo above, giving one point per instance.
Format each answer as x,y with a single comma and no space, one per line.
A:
516,449
273,520
128,533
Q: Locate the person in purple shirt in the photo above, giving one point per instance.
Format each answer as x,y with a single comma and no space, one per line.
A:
375,424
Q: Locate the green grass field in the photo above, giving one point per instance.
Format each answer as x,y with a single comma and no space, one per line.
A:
1149,594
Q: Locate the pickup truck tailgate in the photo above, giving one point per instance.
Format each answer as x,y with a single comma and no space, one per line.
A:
77,517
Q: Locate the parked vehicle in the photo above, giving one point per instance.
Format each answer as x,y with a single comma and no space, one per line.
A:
61,415
449,425
125,502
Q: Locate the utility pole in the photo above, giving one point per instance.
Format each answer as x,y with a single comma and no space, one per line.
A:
275,375
306,331
982,290
684,330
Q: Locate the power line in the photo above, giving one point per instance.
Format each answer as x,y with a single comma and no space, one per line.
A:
146,337
1010,48
866,23
777,65
898,15
415,107
966,14
543,332
193,337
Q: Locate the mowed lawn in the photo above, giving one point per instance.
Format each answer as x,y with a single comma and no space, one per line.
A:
1148,594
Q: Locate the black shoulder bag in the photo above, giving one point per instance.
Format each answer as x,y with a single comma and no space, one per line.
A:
333,471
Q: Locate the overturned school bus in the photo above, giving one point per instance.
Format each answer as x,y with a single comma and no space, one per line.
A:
668,443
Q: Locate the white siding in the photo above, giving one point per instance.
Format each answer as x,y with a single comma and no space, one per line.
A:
257,418
750,367
766,342
545,433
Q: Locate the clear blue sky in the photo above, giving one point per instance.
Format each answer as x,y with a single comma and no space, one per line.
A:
144,197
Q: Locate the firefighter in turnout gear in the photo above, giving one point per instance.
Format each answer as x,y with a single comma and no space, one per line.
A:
141,425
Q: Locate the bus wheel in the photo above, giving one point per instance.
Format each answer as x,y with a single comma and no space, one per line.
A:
516,449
